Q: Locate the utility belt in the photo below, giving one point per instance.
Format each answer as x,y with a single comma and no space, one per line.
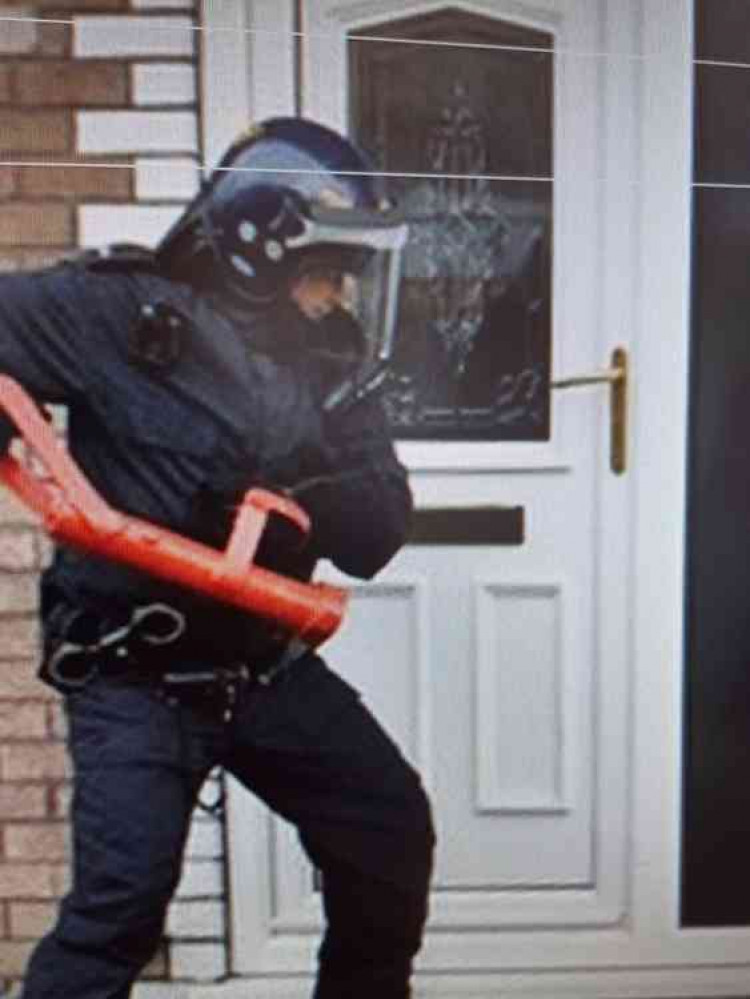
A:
150,646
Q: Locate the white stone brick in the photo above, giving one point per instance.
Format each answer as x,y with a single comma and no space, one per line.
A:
205,840
207,796
196,920
155,84
168,990
100,225
200,879
202,962
260,987
166,180
162,4
18,33
137,131
110,37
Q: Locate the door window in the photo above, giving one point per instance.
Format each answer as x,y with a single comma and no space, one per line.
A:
459,108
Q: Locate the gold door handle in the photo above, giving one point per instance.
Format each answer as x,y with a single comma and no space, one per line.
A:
616,376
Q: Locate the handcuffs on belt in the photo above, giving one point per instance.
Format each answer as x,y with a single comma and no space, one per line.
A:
150,628
74,664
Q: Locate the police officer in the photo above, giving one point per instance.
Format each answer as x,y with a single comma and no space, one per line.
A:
230,356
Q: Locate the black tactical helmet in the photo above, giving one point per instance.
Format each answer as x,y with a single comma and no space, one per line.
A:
287,192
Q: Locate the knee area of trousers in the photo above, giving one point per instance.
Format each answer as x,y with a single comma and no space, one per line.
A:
128,902
121,936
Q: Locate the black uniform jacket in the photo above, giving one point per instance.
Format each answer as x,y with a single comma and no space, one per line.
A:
177,444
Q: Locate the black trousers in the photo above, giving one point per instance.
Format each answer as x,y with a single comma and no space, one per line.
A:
305,745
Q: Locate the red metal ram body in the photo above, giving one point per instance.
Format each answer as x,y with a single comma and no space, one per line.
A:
75,514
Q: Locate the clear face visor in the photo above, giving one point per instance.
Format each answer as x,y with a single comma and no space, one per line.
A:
368,247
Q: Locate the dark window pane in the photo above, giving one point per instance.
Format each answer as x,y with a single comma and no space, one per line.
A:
722,124
715,874
473,346
722,30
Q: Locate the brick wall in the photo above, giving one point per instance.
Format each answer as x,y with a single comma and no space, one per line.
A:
112,84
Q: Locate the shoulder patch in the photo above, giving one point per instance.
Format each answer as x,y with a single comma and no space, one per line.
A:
158,337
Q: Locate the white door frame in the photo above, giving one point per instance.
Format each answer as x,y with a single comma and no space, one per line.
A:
646,953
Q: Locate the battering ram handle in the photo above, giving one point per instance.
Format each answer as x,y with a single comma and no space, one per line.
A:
74,513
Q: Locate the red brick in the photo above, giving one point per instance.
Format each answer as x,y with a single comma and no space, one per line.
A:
30,761
19,639
104,183
33,224
8,181
14,956
26,841
35,131
5,83
81,5
18,680
21,881
22,721
23,801
56,39
72,83
17,548
30,920
19,592
18,35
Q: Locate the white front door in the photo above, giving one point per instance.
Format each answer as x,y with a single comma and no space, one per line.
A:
517,676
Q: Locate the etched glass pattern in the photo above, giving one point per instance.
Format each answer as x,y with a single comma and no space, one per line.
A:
472,354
